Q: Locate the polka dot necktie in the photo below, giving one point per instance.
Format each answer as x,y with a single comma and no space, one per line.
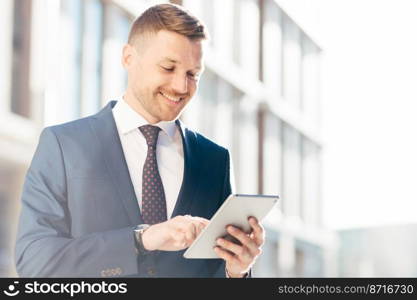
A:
154,208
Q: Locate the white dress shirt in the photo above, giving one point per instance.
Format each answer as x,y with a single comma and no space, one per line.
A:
169,152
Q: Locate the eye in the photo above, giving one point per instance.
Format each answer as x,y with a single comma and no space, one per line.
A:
168,69
194,76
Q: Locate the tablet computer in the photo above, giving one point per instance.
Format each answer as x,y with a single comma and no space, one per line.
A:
234,211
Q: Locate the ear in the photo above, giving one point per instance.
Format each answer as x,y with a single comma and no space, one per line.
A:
128,54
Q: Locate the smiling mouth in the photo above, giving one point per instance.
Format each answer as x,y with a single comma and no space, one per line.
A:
171,98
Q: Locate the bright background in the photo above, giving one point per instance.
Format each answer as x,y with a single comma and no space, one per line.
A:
314,98
369,109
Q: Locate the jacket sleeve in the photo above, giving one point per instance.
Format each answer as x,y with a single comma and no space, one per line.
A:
228,184
44,245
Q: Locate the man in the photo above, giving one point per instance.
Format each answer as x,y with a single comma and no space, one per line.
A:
125,191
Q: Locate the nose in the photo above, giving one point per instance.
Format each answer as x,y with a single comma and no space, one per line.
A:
180,84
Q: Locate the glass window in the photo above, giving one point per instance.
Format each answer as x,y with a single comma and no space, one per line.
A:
116,31
70,60
291,171
205,10
311,207
6,251
309,260
310,80
10,183
223,117
20,91
248,41
272,46
236,38
272,155
267,264
286,255
223,28
291,63
205,109
91,60
246,150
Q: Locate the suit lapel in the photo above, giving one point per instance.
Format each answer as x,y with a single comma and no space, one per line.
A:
104,126
191,171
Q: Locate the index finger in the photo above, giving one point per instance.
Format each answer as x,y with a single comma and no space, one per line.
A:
199,223
200,219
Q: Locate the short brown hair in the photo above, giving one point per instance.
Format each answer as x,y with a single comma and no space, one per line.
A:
169,17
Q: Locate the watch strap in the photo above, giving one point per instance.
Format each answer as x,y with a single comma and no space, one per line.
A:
137,233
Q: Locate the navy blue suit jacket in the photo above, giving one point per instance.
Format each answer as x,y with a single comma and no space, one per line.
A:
79,206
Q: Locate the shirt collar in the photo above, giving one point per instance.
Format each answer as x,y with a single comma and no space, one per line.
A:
129,120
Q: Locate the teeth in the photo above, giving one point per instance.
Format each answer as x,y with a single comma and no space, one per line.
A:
171,98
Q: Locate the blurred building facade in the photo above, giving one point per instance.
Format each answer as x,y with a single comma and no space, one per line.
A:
259,97
381,251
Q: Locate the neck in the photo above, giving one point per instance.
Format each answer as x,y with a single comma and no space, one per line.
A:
134,103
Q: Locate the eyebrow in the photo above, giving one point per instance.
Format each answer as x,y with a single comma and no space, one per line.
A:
177,62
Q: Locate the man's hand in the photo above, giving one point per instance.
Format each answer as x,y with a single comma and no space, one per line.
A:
240,258
173,235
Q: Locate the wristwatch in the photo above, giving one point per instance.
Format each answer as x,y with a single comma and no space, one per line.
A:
137,233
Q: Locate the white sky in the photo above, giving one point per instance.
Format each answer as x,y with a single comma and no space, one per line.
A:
369,107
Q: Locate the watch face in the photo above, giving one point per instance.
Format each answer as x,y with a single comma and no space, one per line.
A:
141,227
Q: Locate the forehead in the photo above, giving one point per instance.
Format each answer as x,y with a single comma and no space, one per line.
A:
167,44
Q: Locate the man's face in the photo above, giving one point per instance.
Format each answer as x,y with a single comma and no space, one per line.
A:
163,74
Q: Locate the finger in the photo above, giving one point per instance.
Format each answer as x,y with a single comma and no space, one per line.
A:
180,222
190,232
183,220
200,224
225,255
241,252
183,223
183,234
258,231
194,218
205,221
256,226
179,239
191,226
244,239
200,228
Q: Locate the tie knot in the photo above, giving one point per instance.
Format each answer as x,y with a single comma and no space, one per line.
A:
150,133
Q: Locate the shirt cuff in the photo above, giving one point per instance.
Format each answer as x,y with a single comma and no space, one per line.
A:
246,275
